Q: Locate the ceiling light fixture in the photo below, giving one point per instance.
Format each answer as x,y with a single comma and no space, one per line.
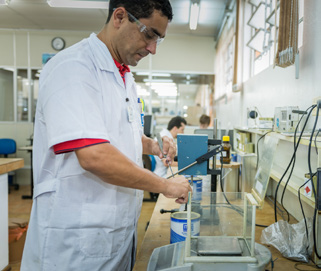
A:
157,74
99,4
193,15
146,80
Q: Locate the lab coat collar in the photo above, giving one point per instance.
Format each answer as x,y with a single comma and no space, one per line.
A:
105,61
101,53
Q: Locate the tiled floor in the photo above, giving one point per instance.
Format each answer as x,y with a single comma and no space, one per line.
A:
19,208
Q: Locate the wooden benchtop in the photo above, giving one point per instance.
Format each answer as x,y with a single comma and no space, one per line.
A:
158,234
10,164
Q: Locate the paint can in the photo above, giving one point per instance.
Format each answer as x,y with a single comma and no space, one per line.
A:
179,226
197,188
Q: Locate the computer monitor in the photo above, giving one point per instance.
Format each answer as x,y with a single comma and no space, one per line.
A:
208,132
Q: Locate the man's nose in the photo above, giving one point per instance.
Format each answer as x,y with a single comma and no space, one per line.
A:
151,47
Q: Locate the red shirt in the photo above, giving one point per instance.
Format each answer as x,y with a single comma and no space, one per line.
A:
76,144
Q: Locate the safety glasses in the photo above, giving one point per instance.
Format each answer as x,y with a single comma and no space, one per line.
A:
149,35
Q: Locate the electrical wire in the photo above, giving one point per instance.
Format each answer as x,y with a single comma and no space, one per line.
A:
301,206
293,164
278,185
313,188
315,141
235,208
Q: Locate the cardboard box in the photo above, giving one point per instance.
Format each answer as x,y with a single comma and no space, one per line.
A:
247,148
17,236
243,141
193,115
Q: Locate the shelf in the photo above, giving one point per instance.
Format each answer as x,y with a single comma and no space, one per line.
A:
292,188
305,140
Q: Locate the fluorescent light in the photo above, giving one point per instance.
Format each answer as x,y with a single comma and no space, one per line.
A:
159,74
142,91
193,17
156,84
158,80
100,4
167,94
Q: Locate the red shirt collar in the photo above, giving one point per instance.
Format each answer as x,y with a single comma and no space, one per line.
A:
122,68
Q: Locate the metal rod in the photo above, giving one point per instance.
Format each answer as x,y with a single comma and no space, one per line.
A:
177,172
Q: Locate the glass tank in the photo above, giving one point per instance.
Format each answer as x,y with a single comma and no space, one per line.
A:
226,227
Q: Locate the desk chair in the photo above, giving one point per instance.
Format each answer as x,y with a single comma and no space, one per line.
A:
9,146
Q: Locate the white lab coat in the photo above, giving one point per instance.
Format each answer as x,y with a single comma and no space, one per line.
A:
160,169
79,222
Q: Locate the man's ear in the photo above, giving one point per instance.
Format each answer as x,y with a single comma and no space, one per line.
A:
118,16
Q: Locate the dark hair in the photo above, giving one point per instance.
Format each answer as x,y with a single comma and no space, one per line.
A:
141,8
175,122
204,119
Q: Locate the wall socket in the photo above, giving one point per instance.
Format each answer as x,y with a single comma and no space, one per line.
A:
314,101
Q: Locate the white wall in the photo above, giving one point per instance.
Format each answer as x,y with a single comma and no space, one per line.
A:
278,87
177,53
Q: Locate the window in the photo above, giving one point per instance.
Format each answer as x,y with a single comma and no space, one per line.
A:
6,94
263,29
18,94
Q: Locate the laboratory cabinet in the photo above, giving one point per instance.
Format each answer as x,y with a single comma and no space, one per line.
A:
6,165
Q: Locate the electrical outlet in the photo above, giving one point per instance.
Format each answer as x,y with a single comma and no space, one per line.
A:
314,101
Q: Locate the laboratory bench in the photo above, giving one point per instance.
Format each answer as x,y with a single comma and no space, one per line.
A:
6,165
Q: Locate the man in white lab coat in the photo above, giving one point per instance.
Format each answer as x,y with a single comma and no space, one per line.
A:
88,146
175,126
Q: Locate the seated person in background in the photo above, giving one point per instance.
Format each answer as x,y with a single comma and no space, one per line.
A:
204,121
175,126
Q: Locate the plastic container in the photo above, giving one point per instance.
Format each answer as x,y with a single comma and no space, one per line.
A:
226,150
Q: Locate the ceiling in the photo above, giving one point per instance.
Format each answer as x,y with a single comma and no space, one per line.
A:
37,14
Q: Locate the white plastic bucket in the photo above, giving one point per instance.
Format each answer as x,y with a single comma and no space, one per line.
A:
179,226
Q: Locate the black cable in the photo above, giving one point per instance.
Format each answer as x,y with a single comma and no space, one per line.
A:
302,210
278,185
240,211
259,225
313,188
235,208
293,164
315,141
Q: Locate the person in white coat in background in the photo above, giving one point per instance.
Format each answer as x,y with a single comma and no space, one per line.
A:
88,146
175,126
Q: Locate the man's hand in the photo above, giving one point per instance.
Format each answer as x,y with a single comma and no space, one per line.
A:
177,187
151,147
169,149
